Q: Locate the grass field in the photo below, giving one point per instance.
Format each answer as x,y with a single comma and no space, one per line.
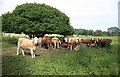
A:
89,61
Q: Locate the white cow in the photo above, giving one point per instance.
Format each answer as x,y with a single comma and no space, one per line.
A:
24,43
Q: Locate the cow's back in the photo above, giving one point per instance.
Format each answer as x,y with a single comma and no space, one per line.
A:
27,44
106,40
55,40
20,40
86,40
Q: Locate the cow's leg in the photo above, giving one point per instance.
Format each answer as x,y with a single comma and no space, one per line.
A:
50,46
58,45
54,45
39,45
70,47
23,52
88,45
32,53
18,50
47,46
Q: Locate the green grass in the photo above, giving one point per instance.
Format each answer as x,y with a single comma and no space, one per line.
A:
89,61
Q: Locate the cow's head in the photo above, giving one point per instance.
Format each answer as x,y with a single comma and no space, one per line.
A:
35,40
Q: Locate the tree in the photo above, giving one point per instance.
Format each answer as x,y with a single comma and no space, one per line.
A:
98,33
77,31
33,18
90,32
113,31
104,33
83,32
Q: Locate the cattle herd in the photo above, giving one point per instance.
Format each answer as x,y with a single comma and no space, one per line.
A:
72,43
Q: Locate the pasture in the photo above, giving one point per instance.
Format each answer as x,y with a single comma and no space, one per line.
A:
88,61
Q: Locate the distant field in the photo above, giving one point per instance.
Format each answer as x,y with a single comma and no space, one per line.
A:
89,61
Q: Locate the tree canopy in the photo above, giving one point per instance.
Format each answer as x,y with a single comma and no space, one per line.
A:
114,31
33,18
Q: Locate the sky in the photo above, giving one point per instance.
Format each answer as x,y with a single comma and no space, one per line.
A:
85,14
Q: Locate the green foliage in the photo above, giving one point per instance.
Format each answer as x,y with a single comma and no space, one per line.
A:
90,32
33,18
6,41
98,33
0,26
113,31
80,31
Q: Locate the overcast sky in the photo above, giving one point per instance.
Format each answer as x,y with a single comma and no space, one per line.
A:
85,14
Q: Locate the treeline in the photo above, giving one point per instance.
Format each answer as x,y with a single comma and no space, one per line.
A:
112,31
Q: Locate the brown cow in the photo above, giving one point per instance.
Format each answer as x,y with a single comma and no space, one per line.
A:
45,41
63,42
24,43
40,41
103,42
72,42
87,41
92,45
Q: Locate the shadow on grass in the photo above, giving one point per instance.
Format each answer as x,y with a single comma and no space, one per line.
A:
14,65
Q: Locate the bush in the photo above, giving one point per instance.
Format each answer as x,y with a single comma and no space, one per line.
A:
9,40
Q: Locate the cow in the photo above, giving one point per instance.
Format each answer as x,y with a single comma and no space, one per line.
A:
64,44
88,42
40,42
62,39
72,42
92,45
29,44
77,48
46,42
56,42
103,42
